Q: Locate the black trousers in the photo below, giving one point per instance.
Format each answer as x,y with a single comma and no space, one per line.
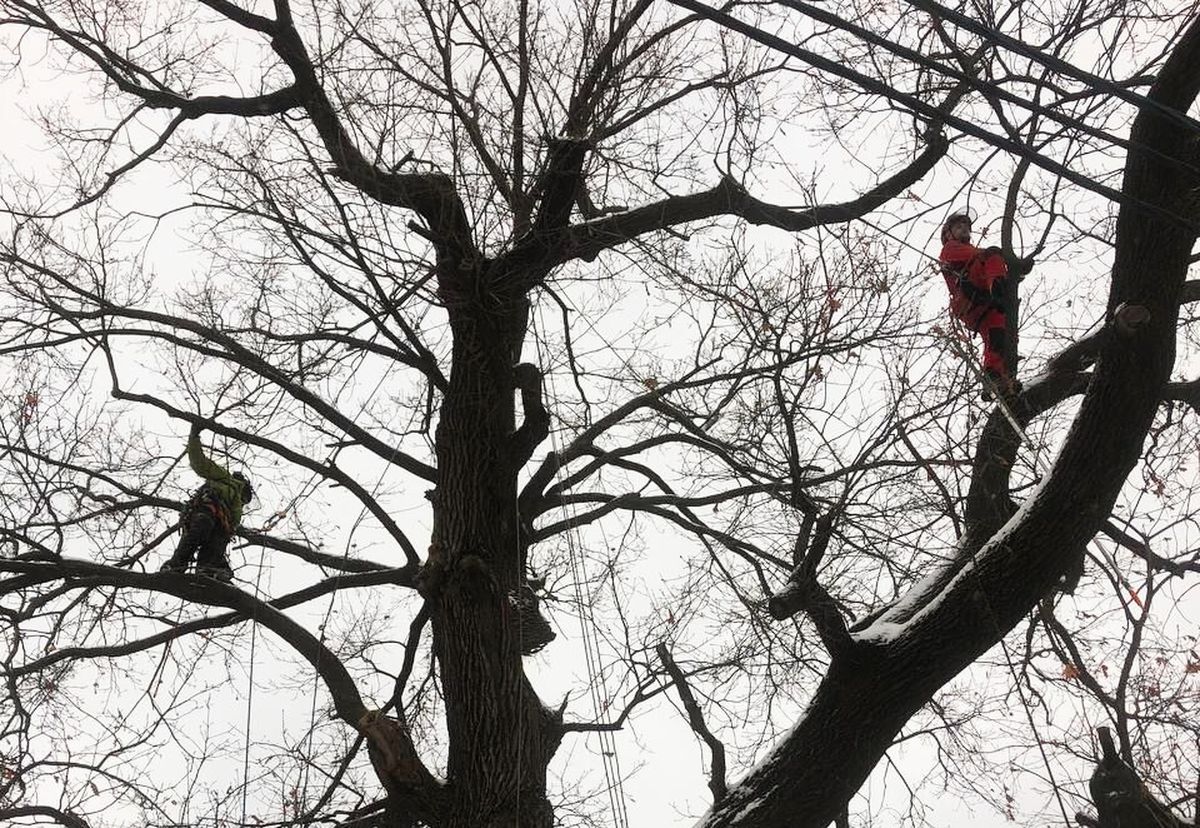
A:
203,539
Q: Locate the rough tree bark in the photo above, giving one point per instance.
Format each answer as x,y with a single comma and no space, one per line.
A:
501,735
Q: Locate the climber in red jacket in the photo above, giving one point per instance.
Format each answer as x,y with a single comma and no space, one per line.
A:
976,280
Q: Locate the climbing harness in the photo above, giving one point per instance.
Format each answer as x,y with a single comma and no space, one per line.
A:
206,499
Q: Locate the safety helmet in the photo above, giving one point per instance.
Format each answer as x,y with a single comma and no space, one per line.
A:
247,489
955,218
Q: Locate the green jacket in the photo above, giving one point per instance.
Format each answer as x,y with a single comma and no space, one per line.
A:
227,487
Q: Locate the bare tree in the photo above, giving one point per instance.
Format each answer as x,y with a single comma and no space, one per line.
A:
404,220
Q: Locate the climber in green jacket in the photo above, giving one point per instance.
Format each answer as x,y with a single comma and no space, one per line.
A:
211,516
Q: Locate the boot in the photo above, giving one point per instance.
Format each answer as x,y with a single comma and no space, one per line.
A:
219,571
995,382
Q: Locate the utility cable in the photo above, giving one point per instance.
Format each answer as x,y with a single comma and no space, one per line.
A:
587,625
984,87
1054,63
934,114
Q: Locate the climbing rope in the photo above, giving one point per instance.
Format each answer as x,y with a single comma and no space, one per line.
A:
310,484
617,776
337,578
521,679
250,683
270,524
1040,465
1008,414
597,684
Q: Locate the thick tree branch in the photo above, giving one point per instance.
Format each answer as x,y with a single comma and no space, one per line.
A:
988,504
1120,797
62,817
124,73
413,790
334,584
716,782
432,195
209,592
242,17
338,563
559,187
728,198
1184,392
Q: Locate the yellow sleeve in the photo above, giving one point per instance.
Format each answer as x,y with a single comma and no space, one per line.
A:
203,466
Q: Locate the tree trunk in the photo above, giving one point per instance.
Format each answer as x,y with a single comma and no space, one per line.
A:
500,737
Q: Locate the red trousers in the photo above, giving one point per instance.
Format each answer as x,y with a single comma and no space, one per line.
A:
992,326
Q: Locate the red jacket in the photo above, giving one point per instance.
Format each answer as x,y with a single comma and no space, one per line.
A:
972,275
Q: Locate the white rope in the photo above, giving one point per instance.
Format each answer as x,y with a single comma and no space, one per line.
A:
597,685
312,714
1040,467
250,684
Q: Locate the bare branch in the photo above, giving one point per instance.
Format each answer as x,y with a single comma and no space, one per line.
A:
242,17
805,593
716,782
1143,551
586,241
210,592
62,817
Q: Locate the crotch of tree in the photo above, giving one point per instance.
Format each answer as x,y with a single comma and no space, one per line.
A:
392,753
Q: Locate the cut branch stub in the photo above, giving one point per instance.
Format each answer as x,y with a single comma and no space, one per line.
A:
536,426
1128,318
1120,797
